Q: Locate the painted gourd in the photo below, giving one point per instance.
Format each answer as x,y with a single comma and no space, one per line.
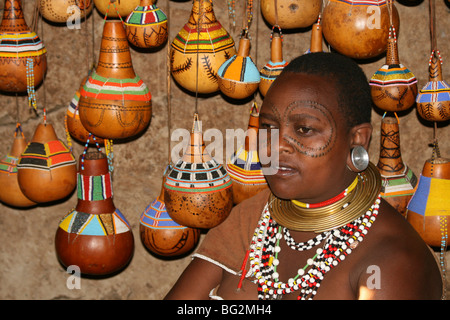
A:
23,59
95,235
291,14
398,180
238,76
114,8
60,11
114,102
47,170
147,25
358,29
433,100
203,41
274,66
10,192
393,86
163,236
429,207
244,166
316,39
197,189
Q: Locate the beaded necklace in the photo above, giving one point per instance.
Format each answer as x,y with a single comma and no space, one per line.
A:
337,244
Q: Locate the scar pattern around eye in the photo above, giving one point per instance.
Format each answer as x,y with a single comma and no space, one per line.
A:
298,146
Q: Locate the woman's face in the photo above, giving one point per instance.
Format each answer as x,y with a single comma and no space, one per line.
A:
314,141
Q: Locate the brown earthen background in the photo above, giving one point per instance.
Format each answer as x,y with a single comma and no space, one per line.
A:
29,268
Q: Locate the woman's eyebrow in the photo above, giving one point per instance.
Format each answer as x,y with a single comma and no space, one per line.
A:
268,116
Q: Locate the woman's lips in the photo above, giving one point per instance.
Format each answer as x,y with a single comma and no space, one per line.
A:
280,170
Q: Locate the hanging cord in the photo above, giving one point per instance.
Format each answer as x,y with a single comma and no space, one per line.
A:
86,147
169,91
19,130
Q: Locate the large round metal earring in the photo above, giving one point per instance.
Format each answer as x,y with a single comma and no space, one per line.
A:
360,158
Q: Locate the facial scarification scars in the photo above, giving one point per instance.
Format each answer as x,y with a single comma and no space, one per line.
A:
311,151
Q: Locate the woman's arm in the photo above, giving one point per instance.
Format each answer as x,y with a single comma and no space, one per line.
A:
196,281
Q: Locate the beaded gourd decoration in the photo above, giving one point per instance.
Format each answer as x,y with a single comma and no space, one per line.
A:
95,235
433,100
74,127
199,49
244,166
393,86
10,192
146,25
114,102
359,29
116,8
197,189
163,236
23,59
398,180
238,76
291,14
61,11
274,66
47,170
430,203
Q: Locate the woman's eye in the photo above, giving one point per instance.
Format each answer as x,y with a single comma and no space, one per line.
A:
304,130
268,126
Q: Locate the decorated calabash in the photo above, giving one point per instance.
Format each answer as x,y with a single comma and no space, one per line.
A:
73,123
393,86
203,41
316,38
238,76
47,169
116,8
114,102
429,208
10,192
398,180
273,68
291,14
244,166
197,189
60,11
146,25
161,235
95,235
23,60
358,29
433,100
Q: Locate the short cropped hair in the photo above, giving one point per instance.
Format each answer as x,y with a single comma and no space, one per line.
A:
355,100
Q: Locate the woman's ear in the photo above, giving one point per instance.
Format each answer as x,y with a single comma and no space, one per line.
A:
358,158
360,135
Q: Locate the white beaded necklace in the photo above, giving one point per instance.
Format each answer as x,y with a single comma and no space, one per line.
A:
265,247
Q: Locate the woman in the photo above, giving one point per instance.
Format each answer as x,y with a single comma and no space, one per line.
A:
322,231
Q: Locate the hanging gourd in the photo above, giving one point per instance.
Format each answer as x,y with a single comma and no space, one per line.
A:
74,127
47,170
147,25
273,68
433,100
197,189
359,29
163,236
430,204
291,14
199,49
238,76
60,11
116,8
95,235
10,192
23,60
114,102
316,38
393,86
244,166
398,180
